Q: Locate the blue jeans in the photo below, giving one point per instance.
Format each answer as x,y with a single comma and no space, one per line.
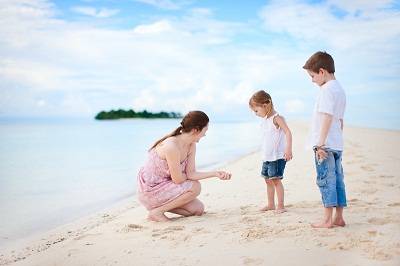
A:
330,179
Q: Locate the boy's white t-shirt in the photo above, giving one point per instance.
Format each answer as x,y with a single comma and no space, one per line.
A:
331,99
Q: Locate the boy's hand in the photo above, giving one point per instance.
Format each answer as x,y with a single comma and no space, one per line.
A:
321,154
223,175
288,155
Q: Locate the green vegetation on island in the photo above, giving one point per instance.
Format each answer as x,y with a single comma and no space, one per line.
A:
118,114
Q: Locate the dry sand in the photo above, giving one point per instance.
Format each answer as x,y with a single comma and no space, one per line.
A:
234,232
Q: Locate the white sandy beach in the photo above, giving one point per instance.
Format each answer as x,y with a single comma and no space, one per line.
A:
234,232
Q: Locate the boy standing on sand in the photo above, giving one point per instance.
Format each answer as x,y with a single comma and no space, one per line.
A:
327,137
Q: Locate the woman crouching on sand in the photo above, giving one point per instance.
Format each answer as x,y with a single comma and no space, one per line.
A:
168,182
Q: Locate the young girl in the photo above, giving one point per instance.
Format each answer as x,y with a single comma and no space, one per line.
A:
276,148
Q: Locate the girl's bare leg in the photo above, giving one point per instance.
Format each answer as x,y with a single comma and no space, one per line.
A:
270,196
158,215
280,193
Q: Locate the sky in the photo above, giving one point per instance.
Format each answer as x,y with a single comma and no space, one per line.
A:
76,58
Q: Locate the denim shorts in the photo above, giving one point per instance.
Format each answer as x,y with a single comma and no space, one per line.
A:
274,169
330,179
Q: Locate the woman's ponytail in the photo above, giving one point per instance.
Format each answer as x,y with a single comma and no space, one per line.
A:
176,132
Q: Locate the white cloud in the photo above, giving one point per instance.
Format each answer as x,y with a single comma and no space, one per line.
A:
94,12
27,73
203,12
165,4
360,5
363,42
156,27
76,105
318,23
179,63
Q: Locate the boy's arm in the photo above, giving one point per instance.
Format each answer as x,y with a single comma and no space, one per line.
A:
325,125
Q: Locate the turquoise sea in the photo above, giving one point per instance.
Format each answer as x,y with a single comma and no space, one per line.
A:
53,171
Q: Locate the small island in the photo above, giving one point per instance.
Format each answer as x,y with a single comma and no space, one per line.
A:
119,114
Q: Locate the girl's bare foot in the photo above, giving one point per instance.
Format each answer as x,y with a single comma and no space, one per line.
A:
157,217
339,222
267,208
322,225
280,210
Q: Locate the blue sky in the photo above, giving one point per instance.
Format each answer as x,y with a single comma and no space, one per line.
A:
75,58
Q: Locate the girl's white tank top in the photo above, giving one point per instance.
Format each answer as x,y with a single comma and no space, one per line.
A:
273,140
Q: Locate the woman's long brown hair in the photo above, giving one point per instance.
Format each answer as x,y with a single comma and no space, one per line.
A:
192,120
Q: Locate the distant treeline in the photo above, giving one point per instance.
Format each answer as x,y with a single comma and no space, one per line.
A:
118,114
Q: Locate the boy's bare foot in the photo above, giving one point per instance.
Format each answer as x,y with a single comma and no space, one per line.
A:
322,225
157,217
280,210
339,222
267,208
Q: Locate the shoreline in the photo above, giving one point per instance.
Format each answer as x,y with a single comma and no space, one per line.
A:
80,225
81,188
120,234
43,240
113,205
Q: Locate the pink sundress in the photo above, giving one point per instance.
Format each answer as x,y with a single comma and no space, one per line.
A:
155,186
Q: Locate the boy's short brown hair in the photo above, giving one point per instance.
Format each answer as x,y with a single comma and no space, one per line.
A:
320,60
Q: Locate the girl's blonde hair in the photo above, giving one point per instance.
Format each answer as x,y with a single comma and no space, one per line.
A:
192,120
260,98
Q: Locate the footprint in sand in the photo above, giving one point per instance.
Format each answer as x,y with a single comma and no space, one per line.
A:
174,228
378,221
381,255
200,230
252,261
256,233
390,184
369,190
306,204
396,204
250,219
386,176
131,228
168,230
367,168
79,237
340,246
245,209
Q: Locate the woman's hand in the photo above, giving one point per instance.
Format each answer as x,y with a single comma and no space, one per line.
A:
223,175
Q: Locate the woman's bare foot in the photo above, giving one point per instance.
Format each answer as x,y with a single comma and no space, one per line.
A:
322,225
267,208
280,210
339,222
157,217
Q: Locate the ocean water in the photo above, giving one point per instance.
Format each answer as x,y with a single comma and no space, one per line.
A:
55,171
